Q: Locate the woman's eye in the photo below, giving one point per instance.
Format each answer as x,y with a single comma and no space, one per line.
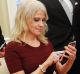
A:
36,19
44,20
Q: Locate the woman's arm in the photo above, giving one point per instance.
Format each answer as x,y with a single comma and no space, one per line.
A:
52,59
19,72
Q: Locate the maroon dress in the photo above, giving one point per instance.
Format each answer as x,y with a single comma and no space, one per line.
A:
21,56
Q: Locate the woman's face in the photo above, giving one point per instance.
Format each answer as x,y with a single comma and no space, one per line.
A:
36,25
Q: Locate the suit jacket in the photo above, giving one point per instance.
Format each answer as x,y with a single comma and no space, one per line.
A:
76,27
60,29
76,22
1,37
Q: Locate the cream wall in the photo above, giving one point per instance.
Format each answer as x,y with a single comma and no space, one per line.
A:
12,7
7,15
4,22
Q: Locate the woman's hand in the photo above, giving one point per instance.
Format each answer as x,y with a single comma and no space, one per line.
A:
52,59
71,51
70,54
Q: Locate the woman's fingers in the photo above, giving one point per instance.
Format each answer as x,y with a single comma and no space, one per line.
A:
70,51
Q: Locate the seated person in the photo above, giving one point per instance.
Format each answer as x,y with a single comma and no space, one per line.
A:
29,51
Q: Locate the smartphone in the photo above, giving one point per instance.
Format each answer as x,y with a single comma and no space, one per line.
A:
73,43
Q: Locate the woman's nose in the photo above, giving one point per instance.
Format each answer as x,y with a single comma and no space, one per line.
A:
41,23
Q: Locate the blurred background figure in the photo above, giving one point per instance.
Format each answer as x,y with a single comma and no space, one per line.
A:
2,44
1,37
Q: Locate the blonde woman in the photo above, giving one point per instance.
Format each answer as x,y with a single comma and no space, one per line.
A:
30,52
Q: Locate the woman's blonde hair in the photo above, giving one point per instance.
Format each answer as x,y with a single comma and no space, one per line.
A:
26,10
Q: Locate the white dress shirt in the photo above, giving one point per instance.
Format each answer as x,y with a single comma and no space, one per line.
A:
68,2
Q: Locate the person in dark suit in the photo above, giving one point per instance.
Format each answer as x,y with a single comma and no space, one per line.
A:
1,37
2,41
60,28
60,25
76,27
